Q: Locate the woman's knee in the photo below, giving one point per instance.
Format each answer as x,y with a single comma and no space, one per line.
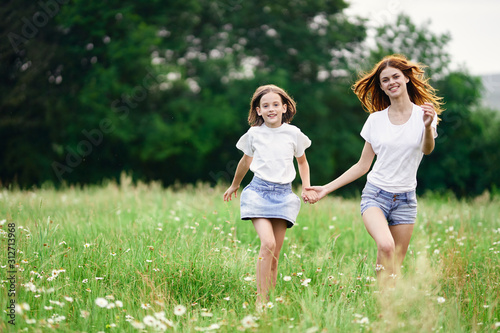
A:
387,247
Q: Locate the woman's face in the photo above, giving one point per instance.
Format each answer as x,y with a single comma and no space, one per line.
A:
393,82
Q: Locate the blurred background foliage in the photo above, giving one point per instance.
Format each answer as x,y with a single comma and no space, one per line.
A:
161,89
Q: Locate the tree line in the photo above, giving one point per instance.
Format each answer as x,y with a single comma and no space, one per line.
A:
161,89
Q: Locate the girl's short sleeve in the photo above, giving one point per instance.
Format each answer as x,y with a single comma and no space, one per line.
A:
245,144
366,130
303,142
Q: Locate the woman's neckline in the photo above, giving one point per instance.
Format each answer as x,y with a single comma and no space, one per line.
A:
404,123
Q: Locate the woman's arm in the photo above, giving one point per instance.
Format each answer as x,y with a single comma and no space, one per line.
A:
354,172
241,171
428,139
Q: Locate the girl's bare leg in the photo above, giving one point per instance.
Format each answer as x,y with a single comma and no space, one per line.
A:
279,228
267,261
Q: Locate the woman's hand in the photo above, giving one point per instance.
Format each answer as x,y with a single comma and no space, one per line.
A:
429,113
309,196
320,191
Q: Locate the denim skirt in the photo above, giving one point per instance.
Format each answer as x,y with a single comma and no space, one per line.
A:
265,199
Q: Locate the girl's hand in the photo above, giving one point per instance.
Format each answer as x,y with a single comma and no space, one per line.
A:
429,113
229,192
320,191
309,196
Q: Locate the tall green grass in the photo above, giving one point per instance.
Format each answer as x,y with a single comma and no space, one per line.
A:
145,250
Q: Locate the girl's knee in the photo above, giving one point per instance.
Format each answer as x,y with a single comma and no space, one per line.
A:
274,264
268,246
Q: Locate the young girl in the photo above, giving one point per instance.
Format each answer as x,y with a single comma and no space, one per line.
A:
269,147
399,135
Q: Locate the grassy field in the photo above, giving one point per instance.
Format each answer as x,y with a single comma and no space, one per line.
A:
127,258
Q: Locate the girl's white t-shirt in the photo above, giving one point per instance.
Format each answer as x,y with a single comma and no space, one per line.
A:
398,149
273,150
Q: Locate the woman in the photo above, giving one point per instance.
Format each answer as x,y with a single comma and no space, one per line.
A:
401,128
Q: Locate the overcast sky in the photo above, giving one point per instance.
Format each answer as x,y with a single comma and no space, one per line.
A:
474,26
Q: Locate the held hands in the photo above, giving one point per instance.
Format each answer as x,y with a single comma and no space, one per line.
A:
320,192
229,192
429,113
309,196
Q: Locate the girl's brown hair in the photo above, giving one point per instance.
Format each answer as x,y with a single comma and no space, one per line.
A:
255,120
373,98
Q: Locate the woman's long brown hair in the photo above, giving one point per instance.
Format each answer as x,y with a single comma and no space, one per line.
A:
373,98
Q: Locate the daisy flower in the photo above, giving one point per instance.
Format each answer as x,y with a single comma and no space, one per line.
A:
441,300
25,306
138,325
61,304
287,278
179,310
101,302
149,321
305,283
249,322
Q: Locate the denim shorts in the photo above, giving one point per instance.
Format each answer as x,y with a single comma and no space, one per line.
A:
398,208
265,199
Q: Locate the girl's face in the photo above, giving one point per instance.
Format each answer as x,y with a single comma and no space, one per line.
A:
393,82
271,109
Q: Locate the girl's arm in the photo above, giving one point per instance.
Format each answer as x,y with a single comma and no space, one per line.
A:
241,171
428,140
356,171
307,195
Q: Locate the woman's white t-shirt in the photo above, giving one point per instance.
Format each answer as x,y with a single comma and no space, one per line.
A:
273,150
398,149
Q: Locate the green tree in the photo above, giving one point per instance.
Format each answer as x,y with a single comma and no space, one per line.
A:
162,88
415,42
